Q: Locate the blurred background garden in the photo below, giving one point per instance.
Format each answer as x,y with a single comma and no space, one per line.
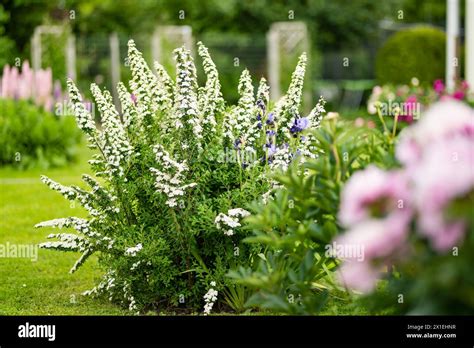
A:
360,53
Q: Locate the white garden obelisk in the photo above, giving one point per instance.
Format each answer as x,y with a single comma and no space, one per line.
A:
452,36
469,39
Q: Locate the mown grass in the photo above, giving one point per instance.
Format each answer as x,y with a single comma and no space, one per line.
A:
43,287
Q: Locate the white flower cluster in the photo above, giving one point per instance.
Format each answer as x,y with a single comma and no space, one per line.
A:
210,100
210,298
83,116
132,251
107,284
263,91
66,191
290,110
165,79
281,159
186,102
316,115
145,85
100,191
230,221
241,123
67,241
130,116
113,139
169,181
80,225
72,193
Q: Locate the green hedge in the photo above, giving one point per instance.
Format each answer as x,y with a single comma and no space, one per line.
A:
32,137
416,52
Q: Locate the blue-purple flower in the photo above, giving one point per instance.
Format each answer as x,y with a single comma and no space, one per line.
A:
271,149
299,125
270,118
237,143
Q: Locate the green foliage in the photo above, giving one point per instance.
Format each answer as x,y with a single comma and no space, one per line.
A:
406,53
294,275
7,45
32,137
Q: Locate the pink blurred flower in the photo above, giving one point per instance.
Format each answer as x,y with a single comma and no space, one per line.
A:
371,124
373,192
438,86
359,276
359,122
377,237
443,119
446,172
380,241
459,95
410,106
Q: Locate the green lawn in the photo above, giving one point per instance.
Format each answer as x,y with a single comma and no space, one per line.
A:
43,287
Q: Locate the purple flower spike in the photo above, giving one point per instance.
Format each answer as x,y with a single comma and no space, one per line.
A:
237,143
271,150
270,118
299,125
270,133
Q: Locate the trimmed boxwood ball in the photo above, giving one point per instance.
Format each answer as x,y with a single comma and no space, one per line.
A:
416,52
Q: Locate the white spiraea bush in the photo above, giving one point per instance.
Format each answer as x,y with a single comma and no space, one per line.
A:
163,214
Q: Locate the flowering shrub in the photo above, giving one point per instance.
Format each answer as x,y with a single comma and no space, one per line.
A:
415,224
165,207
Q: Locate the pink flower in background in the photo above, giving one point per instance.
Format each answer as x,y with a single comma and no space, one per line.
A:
444,119
360,276
359,122
446,172
377,237
373,192
29,84
459,95
371,124
410,106
438,86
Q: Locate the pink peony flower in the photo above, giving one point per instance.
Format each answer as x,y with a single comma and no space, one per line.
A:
359,276
446,172
380,241
376,237
373,193
443,119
